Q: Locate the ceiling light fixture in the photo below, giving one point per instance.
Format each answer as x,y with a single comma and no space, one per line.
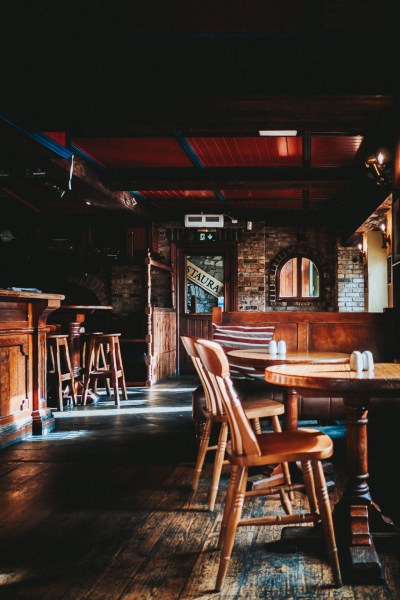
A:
278,132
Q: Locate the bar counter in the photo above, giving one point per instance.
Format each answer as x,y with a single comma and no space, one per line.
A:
23,394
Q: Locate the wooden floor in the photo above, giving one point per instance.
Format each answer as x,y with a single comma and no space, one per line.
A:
102,510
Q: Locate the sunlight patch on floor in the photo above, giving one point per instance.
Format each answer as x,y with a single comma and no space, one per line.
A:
113,411
57,435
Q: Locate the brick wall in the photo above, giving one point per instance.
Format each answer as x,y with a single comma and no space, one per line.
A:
259,255
128,289
350,286
260,252
251,269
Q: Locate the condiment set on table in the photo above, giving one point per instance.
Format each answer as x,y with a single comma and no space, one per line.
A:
361,361
277,347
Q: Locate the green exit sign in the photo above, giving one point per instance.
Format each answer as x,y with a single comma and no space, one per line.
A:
206,236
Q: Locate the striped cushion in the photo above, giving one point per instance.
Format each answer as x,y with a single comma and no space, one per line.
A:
242,337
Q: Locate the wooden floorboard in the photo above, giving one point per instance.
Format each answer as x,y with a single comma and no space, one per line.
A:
103,510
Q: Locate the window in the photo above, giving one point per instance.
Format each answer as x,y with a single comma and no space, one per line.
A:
298,279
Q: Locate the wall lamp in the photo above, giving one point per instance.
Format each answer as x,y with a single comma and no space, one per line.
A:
377,169
385,237
362,257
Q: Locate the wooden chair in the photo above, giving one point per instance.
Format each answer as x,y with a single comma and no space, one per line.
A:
214,413
106,347
249,449
58,360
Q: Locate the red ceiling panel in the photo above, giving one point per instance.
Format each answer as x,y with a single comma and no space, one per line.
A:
58,136
248,151
177,194
266,204
334,151
195,205
135,152
268,194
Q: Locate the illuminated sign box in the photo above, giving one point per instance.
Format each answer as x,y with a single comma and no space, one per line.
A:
206,236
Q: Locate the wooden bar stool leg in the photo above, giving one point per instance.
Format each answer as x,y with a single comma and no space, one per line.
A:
106,366
121,368
59,381
71,374
114,375
89,368
97,347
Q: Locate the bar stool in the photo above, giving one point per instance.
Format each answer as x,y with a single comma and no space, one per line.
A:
100,361
105,348
58,355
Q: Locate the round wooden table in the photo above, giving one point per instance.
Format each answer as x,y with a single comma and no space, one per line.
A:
254,362
356,509
262,358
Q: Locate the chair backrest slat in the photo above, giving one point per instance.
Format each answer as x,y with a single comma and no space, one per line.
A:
215,363
213,402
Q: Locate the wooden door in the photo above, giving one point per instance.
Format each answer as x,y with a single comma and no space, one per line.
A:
206,276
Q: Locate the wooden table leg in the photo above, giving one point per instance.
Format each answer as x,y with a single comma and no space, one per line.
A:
352,514
291,414
74,345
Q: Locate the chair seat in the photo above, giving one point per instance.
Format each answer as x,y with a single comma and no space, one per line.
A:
263,407
290,446
254,409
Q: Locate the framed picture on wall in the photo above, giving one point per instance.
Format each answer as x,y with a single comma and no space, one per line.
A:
396,230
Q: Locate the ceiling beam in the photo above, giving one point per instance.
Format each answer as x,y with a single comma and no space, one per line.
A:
214,178
87,183
200,113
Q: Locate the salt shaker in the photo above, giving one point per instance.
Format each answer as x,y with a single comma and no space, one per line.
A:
281,347
272,347
356,361
368,360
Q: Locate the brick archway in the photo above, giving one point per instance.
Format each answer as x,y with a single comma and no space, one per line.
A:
93,284
286,254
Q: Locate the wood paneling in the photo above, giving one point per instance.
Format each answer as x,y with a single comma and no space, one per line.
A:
192,325
328,331
23,401
163,355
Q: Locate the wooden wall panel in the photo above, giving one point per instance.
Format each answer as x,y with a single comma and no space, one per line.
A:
15,395
342,332
192,325
23,401
163,346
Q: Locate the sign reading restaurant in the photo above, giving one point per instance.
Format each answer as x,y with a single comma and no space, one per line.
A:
203,279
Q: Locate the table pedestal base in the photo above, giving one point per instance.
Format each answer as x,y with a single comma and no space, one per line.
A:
358,556
357,528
